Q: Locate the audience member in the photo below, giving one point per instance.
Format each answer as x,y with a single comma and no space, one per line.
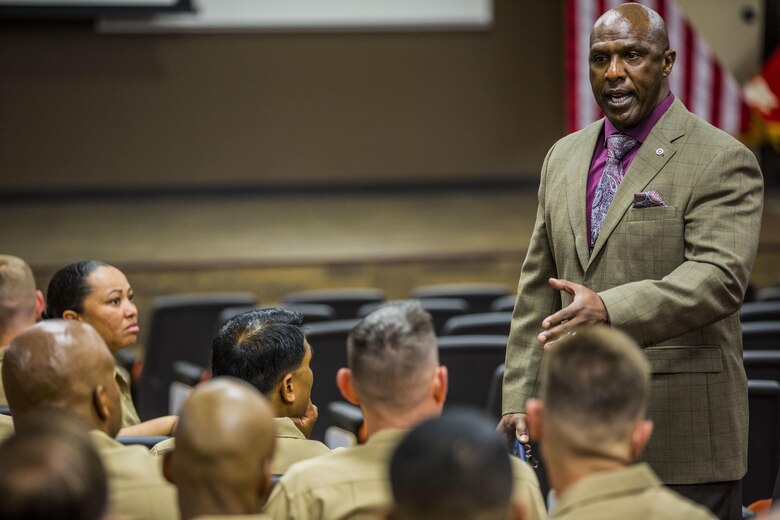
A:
222,461
454,466
590,421
395,377
267,349
50,470
66,365
20,304
99,294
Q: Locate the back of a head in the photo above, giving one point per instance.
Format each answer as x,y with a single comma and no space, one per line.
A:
392,353
50,469
224,440
68,288
17,292
59,364
259,347
595,382
454,466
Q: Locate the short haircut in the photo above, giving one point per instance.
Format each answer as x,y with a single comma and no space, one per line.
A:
259,346
17,291
596,380
391,353
50,469
68,288
454,466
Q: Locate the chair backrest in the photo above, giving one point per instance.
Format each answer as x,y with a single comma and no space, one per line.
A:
494,323
495,398
762,364
310,312
760,311
345,302
471,362
181,328
328,340
761,335
440,309
768,294
504,304
763,440
478,295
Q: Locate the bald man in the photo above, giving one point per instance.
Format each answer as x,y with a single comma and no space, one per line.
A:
66,365
224,447
21,304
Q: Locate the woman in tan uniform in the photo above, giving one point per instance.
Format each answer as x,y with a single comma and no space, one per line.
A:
99,294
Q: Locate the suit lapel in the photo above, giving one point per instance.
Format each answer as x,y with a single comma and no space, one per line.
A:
576,186
654,153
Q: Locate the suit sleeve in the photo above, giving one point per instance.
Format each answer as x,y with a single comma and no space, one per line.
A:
721,226
535,301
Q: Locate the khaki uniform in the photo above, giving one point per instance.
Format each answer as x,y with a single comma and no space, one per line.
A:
233,517
3,400
137,488
633,492
291,446
354,483
6,427
129,414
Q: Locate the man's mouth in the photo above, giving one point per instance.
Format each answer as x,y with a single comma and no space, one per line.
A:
619,99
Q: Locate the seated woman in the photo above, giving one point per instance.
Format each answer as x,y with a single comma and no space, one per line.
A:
99,294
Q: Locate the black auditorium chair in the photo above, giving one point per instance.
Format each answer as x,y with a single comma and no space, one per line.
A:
483,323
345,302
310,312
769,294
763,440
760,311
504,304
478,295
147,441
440,309
181,328
328,340
762,364
471,362
4,410
761,335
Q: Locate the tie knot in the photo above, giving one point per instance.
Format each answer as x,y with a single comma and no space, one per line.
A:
619,145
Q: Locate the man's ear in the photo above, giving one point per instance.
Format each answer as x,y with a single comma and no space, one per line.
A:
265,483
287,389
640,437
533,418
40,304
71,315
344,382
441,384
101,404
669,58
167,465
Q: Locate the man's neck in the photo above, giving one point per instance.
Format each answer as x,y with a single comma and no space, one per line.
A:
566,468
376,419
215,501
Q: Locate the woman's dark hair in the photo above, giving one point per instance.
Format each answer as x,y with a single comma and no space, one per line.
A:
68,288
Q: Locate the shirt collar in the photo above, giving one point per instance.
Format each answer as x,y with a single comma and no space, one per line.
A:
641,130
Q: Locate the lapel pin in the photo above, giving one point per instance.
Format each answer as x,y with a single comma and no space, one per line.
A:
660,151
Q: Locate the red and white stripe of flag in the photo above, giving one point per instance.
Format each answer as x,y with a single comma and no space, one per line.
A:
698,79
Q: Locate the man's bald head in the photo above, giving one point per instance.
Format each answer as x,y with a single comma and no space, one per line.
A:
65,365
18,297
637,17
224,445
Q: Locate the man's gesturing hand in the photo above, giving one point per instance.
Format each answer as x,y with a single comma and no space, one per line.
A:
586,309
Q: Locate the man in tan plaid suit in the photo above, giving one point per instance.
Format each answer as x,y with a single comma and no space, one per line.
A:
669,263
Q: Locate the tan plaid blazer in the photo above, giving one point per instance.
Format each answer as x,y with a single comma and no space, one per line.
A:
672,277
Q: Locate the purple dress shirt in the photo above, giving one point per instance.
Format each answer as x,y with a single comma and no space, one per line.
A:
599,161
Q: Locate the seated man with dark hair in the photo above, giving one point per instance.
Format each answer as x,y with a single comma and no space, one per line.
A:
66,365
590,419
267,349
454,466
50,469
395,377
222,461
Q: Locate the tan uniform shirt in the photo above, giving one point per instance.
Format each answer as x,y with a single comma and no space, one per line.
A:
233,517
3,400
6,427
354,483
129,414
634,492
291,446
137,488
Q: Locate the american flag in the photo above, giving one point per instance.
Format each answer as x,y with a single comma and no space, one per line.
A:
698,79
